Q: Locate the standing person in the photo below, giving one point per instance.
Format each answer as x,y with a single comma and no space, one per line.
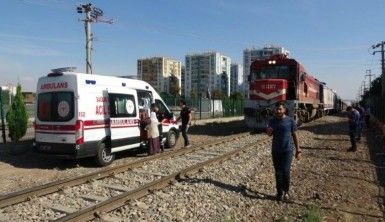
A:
283,129
153,134
360,125
159,116
185,115
354,118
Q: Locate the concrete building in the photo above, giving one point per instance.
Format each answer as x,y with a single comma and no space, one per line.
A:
164,74
206,73
250,55
236,78
183,75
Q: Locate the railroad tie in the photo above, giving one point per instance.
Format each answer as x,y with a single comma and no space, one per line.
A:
115,187
63,209
150,173
107,218
93,198
197,157
209,153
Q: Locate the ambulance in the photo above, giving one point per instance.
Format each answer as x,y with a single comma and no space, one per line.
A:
81,115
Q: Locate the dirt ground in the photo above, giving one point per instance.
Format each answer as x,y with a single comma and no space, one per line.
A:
27,169
346,186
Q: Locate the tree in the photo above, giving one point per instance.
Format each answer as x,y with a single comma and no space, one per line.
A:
217,94
375,91
174,85
237,96
5,97
164,95
17,117
193,94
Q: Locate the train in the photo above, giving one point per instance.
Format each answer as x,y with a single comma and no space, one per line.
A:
283,79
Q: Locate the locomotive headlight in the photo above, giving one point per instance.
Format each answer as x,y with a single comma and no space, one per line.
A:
271,62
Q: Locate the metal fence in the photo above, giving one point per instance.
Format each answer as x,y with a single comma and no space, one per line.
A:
29,107
208,108
377,108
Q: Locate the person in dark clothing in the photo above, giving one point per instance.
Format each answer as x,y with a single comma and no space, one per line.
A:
159,116
360,124
185,116
354,118
283,129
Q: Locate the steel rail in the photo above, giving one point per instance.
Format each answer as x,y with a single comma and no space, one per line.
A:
113,203
56,186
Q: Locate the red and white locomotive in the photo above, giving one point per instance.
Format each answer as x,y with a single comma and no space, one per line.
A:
280,78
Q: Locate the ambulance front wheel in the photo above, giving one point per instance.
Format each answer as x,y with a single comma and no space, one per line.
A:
104,156
171,139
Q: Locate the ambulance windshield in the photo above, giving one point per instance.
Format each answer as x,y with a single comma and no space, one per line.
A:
55,106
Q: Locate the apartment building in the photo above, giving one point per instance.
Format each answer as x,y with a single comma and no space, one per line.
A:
162,73
236,78
207,72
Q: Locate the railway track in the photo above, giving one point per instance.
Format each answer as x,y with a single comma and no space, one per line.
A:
122,183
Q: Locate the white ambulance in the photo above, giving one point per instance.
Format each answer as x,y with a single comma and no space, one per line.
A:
81,115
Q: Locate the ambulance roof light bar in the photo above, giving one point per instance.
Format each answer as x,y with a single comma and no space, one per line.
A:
59,71
63,69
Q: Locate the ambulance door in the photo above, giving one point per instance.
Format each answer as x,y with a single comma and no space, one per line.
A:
124,120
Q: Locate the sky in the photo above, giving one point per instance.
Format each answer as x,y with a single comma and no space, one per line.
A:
331,38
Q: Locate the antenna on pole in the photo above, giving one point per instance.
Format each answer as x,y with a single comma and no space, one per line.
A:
92,14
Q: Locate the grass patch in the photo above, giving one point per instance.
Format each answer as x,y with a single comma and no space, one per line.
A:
312,214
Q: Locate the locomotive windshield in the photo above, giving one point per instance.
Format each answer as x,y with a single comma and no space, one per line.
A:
272,72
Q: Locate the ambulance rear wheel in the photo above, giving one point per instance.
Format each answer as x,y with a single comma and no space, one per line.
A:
104,156
171,139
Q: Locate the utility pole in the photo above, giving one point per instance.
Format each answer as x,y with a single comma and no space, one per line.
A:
92,14
382,64
199,87
369,74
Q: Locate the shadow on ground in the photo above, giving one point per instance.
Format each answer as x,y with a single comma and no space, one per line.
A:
321,127
241,189
22,155
219,129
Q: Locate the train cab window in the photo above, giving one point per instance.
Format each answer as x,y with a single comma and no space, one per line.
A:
272,72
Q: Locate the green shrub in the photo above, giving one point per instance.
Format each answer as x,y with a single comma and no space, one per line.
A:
17,117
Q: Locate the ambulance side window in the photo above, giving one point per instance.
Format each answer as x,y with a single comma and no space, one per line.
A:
122,105
163,109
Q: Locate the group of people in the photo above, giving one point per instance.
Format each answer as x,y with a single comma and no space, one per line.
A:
152,127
